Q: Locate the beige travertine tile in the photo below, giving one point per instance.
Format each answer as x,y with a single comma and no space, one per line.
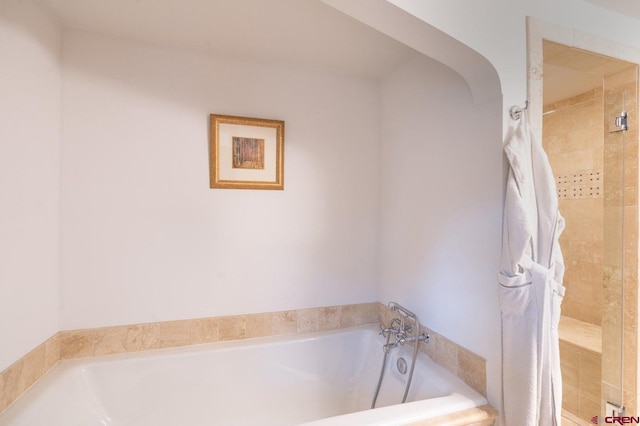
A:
259,325
569,353
329,318
232,327
591,362
581,367
589,408
381,311
76,344
11,380
570,398
353,315
472,369
285,322
446,353
109,340
4,394
630,402
205,330
363,313
485,415
175,333
22,374
571,419
369,313
52,351
33,367
620,79
630,362
142,337
590,387
308,320
567,422
581,334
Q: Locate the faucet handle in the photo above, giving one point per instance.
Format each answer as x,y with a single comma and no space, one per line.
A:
384,331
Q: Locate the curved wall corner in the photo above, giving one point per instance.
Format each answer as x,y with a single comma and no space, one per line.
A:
404,27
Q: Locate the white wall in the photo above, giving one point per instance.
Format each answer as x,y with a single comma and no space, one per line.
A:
441,207
29,159
144,238
497,30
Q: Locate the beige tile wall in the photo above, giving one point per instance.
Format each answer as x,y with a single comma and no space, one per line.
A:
21,375
581,383
573,137
600,243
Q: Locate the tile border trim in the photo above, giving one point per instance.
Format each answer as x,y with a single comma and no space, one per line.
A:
24,373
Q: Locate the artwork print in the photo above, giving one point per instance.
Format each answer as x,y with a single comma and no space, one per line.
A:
248,153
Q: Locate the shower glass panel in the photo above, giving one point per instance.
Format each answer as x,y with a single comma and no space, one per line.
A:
620,113
613,250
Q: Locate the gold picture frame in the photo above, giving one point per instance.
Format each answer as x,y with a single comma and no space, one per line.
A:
246,153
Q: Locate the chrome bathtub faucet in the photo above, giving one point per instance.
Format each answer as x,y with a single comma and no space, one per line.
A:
400,330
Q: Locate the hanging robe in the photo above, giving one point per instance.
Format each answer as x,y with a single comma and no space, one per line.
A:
530,286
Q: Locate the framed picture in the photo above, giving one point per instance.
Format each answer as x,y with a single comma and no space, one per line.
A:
246,153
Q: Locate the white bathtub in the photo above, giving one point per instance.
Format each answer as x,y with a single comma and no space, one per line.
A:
325,378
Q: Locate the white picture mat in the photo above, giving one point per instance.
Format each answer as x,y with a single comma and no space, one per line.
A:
226,133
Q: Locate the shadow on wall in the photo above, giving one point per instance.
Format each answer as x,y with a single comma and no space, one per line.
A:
442,191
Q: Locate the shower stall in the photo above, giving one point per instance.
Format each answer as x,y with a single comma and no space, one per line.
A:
590,132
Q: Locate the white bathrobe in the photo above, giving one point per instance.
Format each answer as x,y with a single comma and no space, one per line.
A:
530,287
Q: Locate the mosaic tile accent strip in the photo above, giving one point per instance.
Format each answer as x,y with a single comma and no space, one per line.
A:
580,184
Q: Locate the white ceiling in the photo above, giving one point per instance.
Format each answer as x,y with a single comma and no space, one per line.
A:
304,32
626,7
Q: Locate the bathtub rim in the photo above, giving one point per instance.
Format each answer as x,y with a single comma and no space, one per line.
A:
412,411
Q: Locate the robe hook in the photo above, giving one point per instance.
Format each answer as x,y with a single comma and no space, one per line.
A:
516,112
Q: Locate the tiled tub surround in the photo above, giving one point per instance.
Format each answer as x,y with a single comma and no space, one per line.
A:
323,377
16,379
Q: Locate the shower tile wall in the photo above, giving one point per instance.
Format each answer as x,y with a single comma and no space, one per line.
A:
573,139
597,194
573,135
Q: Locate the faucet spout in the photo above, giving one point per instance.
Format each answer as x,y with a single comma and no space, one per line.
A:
399,329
